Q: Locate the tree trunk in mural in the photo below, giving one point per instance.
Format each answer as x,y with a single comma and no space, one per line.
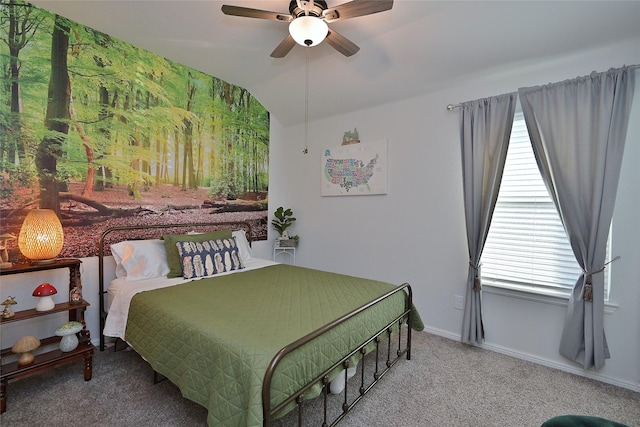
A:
158,164
229,97
146,139
16,43
103,177
176,158
103,113
188,174
131,138
22,27
188,180
214,120
87,191
199,158
57,117
164,162
134,185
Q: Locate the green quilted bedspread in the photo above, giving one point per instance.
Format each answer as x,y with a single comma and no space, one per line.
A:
215,337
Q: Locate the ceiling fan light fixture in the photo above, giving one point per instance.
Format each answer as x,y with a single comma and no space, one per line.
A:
308,30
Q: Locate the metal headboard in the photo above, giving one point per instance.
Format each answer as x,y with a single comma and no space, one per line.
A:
151,231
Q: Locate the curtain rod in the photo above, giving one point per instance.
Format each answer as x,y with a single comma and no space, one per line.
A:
451,107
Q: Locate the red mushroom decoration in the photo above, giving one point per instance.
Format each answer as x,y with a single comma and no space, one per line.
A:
44,292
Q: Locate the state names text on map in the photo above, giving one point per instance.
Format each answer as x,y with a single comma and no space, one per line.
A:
356,169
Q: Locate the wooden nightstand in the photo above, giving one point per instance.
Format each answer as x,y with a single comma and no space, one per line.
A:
11,371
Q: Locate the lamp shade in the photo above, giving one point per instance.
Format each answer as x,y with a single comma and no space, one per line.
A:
308,30
41,237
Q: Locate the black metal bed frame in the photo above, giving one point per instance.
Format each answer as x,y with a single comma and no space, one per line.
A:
323,378
366,384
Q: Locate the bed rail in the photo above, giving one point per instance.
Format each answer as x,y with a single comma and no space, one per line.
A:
151,231
323,378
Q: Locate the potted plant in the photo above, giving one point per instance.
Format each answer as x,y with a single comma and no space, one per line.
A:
284,219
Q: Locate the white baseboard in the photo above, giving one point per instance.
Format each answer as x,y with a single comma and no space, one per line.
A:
542,361
442,333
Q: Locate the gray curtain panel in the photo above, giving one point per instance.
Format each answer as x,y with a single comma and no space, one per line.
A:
578,130
485,129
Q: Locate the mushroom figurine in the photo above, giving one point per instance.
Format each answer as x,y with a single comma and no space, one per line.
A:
44,292
24,346
4,254
68,332
7,312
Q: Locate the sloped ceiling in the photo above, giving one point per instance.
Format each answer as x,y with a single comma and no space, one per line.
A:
415,48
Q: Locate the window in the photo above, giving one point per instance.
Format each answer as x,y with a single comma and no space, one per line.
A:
527,248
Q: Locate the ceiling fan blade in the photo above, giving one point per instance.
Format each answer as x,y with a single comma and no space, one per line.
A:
356,8
284,47
255,13
341,43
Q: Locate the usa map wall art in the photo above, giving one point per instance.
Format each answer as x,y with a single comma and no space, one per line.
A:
354,170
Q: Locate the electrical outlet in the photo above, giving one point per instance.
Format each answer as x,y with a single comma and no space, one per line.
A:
458,302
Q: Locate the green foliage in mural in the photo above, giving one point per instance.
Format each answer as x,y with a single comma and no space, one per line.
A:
134,118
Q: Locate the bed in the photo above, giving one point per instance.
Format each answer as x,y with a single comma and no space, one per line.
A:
253,341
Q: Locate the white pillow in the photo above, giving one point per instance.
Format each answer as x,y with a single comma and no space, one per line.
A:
243,245
140,259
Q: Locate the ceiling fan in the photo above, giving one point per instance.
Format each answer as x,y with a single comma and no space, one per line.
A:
308,22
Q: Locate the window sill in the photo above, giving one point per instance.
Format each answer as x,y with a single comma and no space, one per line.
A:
541,296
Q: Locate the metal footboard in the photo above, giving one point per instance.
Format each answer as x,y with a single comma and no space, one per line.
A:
299,397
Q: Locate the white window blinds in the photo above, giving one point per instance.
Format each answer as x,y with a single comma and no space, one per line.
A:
527,247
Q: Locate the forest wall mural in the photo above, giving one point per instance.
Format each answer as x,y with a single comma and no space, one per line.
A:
107,134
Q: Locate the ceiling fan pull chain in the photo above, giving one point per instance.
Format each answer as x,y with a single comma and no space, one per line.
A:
306,108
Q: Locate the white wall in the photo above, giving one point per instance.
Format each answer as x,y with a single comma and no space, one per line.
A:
416,232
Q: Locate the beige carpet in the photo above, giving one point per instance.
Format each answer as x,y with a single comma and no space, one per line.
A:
445,384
